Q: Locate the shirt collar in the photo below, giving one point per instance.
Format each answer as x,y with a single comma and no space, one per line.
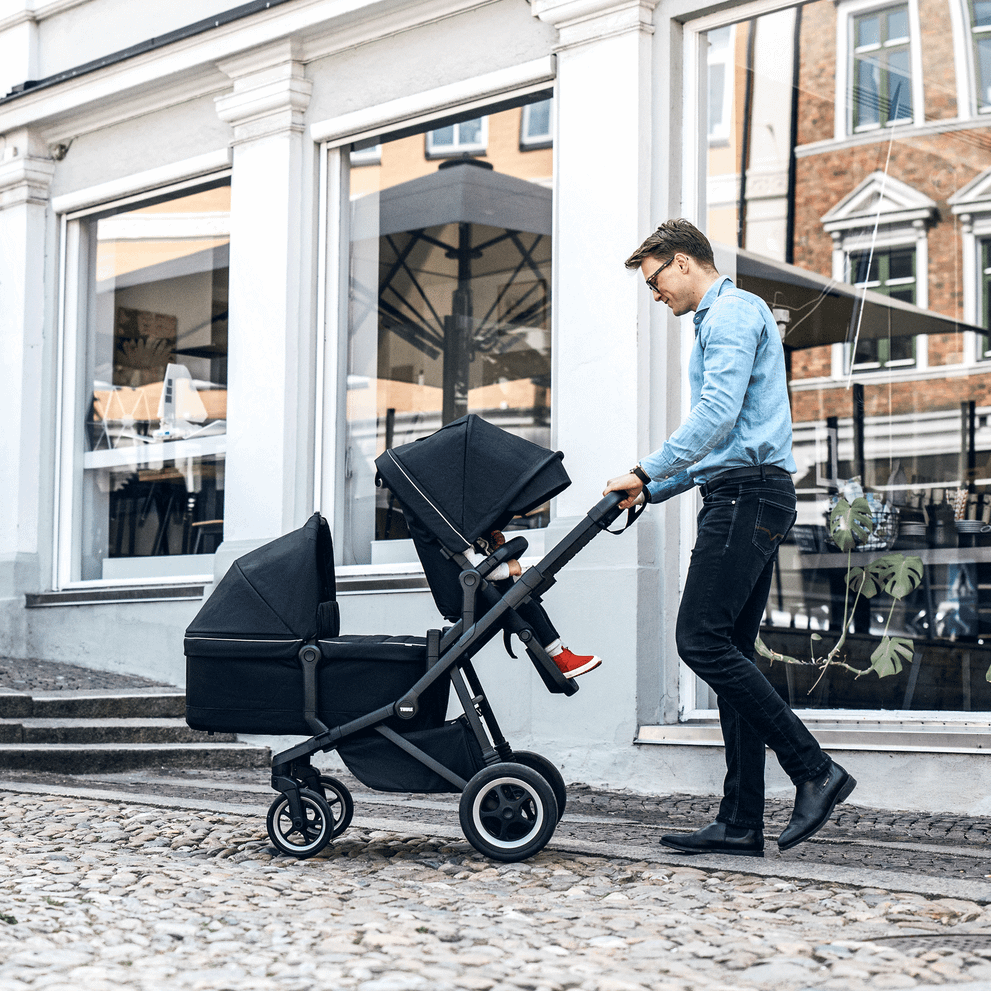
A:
709,298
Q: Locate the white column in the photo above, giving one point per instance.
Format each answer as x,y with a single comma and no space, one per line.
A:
18,43
25,177
267,485
607,390
602,211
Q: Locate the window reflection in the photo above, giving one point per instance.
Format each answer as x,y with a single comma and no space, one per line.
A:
154,438
450,302
873,253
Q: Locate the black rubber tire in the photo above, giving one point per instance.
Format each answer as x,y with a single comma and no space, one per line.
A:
508,812
543,766
317,829
340,801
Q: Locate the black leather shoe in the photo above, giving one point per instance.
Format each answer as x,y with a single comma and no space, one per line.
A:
718,837
814,804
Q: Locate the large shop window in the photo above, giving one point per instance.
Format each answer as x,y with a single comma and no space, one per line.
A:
449,304
855,247
145,427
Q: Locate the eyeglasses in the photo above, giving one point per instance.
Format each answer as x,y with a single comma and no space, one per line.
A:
652,281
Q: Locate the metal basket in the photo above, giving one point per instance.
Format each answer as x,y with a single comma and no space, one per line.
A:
884,519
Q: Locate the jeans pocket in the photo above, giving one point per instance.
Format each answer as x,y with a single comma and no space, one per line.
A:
774,520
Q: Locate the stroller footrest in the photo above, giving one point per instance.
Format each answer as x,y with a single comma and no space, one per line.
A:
550,673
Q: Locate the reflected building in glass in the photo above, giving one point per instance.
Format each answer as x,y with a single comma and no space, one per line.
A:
859,208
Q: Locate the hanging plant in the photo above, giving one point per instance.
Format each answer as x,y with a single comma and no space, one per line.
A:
851,524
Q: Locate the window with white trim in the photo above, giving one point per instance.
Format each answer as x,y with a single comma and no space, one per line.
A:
880,80
857,218
890,272
449,308
980,28
536,120
144,404
720,71
984,282
366,152
466,137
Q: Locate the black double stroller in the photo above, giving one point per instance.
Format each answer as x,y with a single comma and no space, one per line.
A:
265,654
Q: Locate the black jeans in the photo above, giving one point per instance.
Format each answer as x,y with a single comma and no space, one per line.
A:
740,527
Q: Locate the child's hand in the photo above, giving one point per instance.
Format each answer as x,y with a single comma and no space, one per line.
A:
514,568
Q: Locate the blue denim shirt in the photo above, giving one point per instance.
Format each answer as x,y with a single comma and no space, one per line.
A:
740,415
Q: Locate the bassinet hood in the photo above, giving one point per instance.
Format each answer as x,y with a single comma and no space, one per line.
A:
471,477
275,590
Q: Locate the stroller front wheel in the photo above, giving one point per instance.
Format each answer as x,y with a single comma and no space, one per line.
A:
508,811
340,801
308,837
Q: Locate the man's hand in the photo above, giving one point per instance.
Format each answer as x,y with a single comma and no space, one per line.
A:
628,483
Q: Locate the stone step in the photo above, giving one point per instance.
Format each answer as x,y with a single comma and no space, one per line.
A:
90,732
72,730
81,758
125,703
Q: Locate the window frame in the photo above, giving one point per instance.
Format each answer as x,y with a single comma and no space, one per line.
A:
846,13
692,697
721,133
981,104
459,147
72,211
882,285
533,143
860,55
484,93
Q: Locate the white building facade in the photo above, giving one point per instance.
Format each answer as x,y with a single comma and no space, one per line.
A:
235,249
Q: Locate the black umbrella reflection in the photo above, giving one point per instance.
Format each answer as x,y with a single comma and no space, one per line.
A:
463,260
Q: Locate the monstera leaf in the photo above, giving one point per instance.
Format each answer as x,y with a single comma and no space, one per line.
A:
863,581
894,574
891,655
850,523
899,574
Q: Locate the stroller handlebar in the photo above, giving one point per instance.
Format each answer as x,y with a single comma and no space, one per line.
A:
606,511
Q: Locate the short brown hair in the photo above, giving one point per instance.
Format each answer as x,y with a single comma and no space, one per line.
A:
670,238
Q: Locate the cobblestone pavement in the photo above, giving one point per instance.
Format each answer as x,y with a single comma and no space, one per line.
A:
167,880
101,894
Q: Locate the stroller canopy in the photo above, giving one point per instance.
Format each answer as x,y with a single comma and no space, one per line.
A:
276,590
470,478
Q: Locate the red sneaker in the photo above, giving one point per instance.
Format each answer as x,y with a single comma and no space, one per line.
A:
572,665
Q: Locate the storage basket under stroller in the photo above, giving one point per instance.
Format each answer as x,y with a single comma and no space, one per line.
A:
265,655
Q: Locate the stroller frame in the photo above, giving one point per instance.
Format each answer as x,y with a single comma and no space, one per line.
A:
510,808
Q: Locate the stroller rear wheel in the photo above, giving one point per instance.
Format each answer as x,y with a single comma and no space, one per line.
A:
544,767
308,837
340,801
508,811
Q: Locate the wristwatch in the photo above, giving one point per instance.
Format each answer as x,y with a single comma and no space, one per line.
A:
641,474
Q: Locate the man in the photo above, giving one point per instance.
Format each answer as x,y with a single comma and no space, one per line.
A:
736,445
